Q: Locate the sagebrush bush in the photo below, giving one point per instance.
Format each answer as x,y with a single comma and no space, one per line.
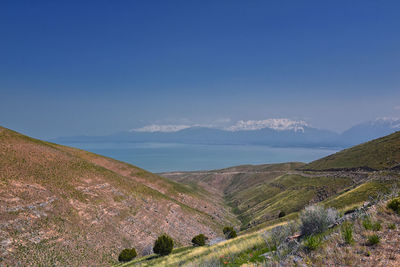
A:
163,245
278,235
373,240
394,205
127,254
312,242
347,233
199,240
316,219
229,232
392,226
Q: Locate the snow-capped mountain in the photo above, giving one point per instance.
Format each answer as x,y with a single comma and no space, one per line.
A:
272,132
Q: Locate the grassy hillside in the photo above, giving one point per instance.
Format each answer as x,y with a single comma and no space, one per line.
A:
378,154
288,193
64,206
259,193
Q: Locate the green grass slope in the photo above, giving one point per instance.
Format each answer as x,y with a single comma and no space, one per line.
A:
378,154
288,193
68,207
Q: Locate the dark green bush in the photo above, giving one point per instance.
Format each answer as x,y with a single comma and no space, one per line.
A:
281,214
373,240
163,245
127,254
394,205
392,226
229,232
199,240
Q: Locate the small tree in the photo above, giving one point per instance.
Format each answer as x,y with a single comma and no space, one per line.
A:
281,214
199,240
127,254
229,232
163,245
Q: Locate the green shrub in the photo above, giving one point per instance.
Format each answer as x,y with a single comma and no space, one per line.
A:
229,232
199,240
347,233
392,226
373,239
281,214
394,205
369,225
127,254
163,245
312,242
377,226
317,219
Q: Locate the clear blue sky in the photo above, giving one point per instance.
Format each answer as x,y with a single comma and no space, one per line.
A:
99,67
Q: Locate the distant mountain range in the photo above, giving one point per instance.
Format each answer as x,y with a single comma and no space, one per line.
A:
271,132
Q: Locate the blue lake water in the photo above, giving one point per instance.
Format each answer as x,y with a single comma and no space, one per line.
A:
161,157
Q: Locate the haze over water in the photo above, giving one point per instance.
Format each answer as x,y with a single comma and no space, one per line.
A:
164,157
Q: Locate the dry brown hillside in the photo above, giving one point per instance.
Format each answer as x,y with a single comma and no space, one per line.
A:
64,206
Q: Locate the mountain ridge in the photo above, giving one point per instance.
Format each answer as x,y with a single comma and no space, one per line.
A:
288,135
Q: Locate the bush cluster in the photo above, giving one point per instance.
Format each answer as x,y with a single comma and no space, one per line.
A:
199,240
316,219
163,245
229,232
127,254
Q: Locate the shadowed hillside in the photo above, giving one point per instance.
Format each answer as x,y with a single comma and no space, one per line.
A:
65,206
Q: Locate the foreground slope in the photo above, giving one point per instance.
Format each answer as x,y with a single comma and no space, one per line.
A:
276,245
64,206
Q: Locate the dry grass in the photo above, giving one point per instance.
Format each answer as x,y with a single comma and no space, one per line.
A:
207,255
335,251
